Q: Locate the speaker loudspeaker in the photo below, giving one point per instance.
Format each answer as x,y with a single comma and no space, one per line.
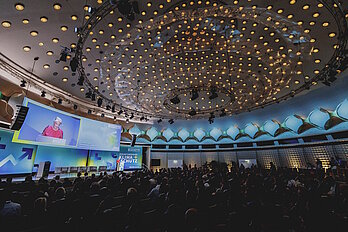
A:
22,113
134,139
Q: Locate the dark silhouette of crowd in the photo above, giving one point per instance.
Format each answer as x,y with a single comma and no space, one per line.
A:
209,198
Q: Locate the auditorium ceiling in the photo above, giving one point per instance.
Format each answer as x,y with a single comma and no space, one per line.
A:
169,59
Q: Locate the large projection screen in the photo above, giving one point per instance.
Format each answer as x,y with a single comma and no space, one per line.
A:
45,125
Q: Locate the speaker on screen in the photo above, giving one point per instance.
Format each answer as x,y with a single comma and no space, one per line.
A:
155,162
22,113
134,139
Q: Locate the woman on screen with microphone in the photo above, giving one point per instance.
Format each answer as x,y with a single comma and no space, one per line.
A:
54,131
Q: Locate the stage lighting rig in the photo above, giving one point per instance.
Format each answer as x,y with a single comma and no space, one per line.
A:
81,80
120,112
127,8
192,112
211,118
88,94
223,113
108,107
113,109
132,116
159,121
74,64
171,121
93,97
175,100
100,102
194,94
23,83
43,94
213,93
60,101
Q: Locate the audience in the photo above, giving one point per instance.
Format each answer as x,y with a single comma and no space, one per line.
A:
209,198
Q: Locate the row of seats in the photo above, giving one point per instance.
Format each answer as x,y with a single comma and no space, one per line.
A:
82,169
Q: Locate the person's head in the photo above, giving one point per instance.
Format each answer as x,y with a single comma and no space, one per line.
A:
57,122
95,186
40,205
60,193
132,194
191,217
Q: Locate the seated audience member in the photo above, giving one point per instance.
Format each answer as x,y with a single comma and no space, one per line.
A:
8,208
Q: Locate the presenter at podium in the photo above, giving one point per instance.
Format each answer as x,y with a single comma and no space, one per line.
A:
54,131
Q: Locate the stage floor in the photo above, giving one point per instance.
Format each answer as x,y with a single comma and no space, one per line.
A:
51,176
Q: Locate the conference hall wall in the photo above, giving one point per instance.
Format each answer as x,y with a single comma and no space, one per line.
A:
298,156
17,158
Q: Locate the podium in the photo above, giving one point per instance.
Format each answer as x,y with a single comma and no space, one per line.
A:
51,140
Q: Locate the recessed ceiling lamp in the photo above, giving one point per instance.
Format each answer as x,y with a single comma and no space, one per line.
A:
26,48
57,6
44,19
6,24
19,7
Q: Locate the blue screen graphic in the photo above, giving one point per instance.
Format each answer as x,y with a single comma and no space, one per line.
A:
15,158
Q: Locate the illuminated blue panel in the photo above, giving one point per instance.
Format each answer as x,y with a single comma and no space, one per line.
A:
135,130
215,133
251,130
15,158
199,134
152,133
318,118
293,123
183,134
168,134
271,127
342,109
233,132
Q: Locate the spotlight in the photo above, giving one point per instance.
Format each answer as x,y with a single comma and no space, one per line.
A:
91,10
77,30
73,64
211,118
60,101
102,115
132,116
108,107
63,55
171,121
100,102
213,93
113,109
159,121
127,120
43,94
223,113
192,112
88,94
75,107
81,80
120,112
142,118
93,97
89,111
194,94
175,100
23,83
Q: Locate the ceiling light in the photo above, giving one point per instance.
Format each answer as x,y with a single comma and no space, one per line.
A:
64,28
65,79
6,24
25,21
74,17
19,6
55,40
49,53
34,33
46,66
44,19
57,6
26,48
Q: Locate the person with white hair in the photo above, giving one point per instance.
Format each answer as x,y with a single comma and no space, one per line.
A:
54,131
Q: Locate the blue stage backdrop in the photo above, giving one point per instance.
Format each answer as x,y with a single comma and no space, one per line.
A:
61,157
128,158
15,158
